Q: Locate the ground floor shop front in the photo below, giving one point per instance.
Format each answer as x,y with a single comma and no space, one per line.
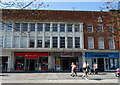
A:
105,61
44,61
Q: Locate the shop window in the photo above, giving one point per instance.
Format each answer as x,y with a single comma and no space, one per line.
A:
62,27
70,42
101,42
39,42
19,63
77,42
32,27
77,28
43,63
24,27
55,42
39,26
69,27
90,43
54,27
62,42
8,41
47,27
16,42
32,42
17,27
47,42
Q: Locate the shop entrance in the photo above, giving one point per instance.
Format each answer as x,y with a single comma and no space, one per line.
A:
66,62
4,64
100,64
31,64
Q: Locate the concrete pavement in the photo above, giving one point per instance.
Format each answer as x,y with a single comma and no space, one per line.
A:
103,77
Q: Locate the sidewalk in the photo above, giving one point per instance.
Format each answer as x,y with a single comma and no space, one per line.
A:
104,77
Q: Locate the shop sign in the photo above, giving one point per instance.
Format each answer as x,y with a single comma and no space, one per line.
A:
102,55
67,54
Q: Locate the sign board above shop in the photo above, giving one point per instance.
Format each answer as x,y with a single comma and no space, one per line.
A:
67,54
102,55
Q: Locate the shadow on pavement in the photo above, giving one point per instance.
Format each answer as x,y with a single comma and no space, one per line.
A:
4,75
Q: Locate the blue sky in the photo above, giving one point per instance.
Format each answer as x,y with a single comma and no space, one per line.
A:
73,5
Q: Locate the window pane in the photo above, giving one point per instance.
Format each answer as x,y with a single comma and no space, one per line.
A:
69,27
70,42
24,27
47,42
111,43
62,27
90,28
24,42
62,42
47,27
8,41
17,27
77,28
16,42
55,27
1,26
1,41
32,42
100,28
101,42
39,42
7,26
39,27
55,42
77,42
110,29
90,43
32,27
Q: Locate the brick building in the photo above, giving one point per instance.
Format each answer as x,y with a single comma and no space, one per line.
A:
40,40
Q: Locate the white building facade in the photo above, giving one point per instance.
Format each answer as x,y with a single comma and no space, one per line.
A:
41,46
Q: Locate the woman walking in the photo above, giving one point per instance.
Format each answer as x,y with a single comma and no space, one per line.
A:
73,70
85,69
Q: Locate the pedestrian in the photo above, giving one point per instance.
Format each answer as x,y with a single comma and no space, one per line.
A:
95,68
73,69
85,70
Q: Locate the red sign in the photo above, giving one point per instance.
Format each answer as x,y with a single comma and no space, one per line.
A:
31,55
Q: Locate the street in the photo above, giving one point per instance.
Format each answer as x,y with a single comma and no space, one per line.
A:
103,77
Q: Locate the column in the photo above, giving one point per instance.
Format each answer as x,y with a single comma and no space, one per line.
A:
9,64
49,62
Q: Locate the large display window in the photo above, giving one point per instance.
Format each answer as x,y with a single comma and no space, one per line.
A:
19,63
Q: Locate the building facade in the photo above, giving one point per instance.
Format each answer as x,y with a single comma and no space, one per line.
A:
45,40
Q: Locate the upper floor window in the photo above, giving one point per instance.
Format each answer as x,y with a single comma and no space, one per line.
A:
110,29
17,27
77,28
47,27
111,43
69,27
89,28
1,26
100,28
55,42
54,27
7,26
62,27
32,27
16,42
101,42
47,42
39,42
77,42
62,42
32,42
24,27
69,42
24,42
39,26
8,41
1,41
90,43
